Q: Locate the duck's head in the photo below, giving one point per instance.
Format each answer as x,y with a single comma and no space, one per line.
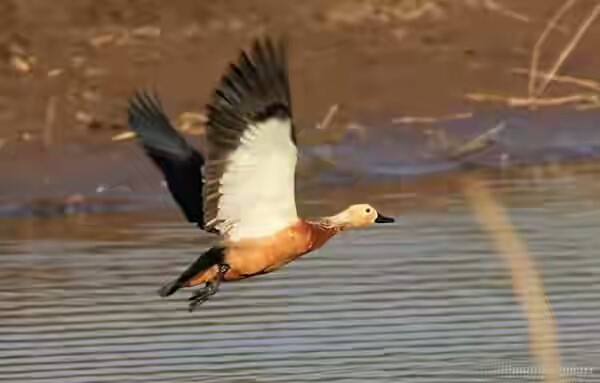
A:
360,215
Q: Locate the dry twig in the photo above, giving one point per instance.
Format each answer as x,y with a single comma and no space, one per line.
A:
582,99
535,57
49,122
430,120
327,121
478,144
577,81
569,48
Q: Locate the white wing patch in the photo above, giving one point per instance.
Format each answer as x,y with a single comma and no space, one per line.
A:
257,188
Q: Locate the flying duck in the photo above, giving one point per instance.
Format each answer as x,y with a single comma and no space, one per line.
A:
242,186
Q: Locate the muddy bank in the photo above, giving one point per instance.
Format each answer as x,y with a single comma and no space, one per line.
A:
67,69
377,158
76,63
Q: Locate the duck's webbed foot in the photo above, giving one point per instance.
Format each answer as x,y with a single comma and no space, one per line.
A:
202,295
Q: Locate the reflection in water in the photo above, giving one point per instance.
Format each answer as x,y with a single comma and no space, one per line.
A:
422,300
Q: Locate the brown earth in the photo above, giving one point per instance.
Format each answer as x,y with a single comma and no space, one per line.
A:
68,67
79,61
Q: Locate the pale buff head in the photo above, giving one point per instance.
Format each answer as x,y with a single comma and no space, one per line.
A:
355,216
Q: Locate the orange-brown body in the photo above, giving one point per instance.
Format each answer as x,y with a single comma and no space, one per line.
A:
264,255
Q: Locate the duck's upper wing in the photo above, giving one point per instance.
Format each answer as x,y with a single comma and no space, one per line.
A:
251,154
179,162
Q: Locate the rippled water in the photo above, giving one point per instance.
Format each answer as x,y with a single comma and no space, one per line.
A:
423,300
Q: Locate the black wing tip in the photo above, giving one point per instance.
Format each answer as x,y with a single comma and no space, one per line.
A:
271,43
178,161
147,118
144,103
256,85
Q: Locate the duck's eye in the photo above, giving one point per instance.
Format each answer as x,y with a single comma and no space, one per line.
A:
368,210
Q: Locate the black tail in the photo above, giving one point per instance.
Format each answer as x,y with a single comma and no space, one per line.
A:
169,288
213,256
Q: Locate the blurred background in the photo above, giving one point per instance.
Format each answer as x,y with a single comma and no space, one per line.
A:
474,122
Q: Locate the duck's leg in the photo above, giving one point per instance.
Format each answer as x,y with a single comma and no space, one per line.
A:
211,288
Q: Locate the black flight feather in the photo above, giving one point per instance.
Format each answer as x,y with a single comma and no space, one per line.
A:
180,164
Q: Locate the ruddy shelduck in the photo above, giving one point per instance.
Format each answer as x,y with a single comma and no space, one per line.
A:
242,187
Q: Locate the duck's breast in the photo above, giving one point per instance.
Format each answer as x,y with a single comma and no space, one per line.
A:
259,256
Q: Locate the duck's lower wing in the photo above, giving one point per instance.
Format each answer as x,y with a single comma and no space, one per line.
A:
180,164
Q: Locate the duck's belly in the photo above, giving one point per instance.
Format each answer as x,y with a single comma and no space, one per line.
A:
261,256
249,262
245,264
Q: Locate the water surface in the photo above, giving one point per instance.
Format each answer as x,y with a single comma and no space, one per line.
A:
424,300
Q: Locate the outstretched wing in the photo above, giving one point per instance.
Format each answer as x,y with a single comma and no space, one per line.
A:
180,164
251,156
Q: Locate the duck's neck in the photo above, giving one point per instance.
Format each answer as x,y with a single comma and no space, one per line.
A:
321,232
338,222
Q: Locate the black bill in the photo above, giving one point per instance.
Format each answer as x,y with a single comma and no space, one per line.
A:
383,219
